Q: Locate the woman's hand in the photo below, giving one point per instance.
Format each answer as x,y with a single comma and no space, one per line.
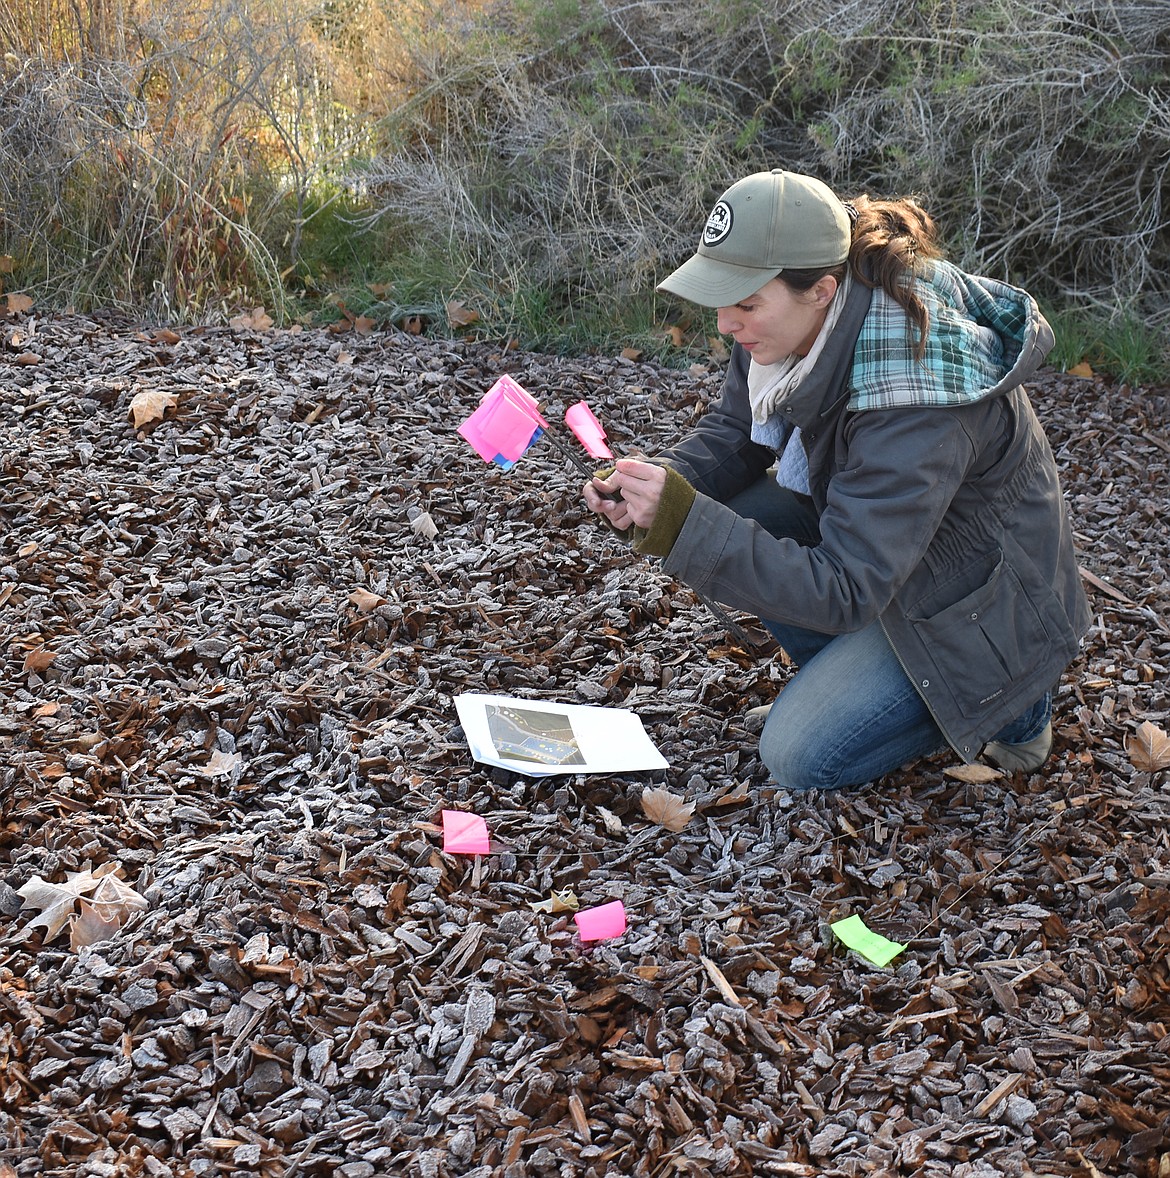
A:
640,484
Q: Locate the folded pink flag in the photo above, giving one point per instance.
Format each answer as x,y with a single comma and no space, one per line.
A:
506,422
581,420
464,834
603,922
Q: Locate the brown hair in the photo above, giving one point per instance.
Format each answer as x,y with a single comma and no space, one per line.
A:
890,239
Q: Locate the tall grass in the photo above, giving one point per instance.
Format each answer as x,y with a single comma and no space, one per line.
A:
547,160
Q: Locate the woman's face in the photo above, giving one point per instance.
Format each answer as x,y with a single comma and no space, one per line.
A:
777,321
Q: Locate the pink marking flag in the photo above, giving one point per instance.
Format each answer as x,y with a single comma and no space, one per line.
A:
603,922
464,834
506,423
581,420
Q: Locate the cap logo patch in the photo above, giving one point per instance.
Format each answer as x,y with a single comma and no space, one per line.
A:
718,224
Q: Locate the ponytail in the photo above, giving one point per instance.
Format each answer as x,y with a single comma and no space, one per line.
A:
890,239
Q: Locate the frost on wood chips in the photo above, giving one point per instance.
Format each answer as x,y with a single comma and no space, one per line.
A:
244,573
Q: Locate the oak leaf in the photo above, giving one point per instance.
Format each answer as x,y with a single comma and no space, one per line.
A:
111,904
365,600
257,319
16,303
460,316
667,809
423,525
7,263
613,824
563,901
151,405
110,899
631,353
90,926
1148,748
39,659
363,324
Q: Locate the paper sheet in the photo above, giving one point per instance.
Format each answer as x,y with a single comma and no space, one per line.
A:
539,739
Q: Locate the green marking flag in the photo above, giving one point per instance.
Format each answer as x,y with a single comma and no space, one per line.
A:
872,946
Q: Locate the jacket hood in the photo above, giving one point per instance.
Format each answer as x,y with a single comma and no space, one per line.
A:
985,338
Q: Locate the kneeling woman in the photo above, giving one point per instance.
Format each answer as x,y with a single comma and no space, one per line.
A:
911,550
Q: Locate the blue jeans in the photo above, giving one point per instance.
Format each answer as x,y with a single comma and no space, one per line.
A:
849,714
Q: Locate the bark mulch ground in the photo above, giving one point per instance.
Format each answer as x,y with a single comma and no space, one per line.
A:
232,944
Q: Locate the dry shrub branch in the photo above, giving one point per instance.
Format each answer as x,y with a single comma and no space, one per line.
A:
1040,134
178,156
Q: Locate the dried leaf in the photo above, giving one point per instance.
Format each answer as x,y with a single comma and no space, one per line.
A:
565,900
114,892
717,349
151,405
363,325
91,925
221,763
257,319
423,525
667,809
460,316
27,358
14,304
1148,748
1082,369
39,659
613,824
58,902
975,773
631,353
365,600
7,263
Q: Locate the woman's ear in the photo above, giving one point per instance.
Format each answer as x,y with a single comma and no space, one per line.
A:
824,289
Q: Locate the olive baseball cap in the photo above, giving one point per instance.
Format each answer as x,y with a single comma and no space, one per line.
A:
762,225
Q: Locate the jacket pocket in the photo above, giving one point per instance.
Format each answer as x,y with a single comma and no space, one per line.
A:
987,640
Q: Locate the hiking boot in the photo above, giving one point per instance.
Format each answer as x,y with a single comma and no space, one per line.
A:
1026,756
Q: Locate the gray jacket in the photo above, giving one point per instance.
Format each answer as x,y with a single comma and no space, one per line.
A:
945,523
